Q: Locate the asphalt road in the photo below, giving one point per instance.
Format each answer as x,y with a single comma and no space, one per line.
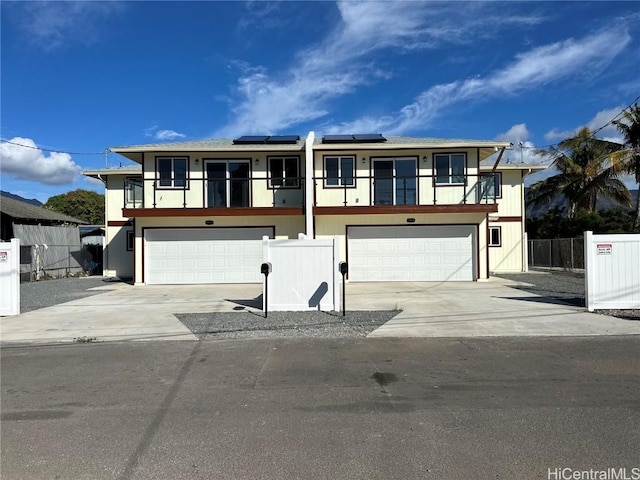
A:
499,408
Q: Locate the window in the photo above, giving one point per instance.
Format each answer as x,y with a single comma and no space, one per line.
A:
172,172
495,236
129,240
450,168
339,171
491,188
394,181
133,191
228,183
284,172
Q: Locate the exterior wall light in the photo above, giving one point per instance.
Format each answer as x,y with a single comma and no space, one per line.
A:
411,220
197,161
424,159
364,160
208,222
257,161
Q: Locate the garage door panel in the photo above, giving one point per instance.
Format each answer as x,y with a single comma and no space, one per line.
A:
190,256
408,253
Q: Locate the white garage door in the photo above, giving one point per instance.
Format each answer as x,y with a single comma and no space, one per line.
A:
411,254
203,255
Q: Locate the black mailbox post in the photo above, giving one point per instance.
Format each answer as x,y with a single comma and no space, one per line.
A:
265,269
344,269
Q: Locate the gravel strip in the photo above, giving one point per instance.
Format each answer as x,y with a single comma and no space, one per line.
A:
563,287
46,293
231,325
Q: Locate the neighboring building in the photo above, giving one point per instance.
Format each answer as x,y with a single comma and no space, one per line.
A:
405,209
18,212
49,241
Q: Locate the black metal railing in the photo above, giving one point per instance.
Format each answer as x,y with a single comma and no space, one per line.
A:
406,190
367,190
241,192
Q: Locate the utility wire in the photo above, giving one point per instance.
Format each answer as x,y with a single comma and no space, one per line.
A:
51,150
597,130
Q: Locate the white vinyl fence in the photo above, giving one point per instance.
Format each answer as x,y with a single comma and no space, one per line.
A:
304,274
10,277
612,271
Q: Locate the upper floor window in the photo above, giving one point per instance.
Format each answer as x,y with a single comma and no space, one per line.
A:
228,183
284,172
491,185
339,171
172,172
450,168
133,191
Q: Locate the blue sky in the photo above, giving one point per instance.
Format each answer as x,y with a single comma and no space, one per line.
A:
79,77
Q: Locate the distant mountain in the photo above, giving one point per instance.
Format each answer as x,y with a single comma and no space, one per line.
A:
32,201
560,202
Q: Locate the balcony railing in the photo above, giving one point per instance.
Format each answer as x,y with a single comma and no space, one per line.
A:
405,190
247,192
347,191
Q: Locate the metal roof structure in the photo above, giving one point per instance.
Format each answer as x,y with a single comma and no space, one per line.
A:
17,209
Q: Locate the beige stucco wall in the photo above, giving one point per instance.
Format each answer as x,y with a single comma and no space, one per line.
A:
118,260
114,197
509,256
286,227
510,204
328,226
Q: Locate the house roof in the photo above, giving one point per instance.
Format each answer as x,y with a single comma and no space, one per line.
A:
134,152
127,170
27,211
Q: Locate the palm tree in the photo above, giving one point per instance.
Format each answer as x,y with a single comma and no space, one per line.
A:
586,172
629,126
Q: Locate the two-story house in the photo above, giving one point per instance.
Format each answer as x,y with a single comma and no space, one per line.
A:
404,209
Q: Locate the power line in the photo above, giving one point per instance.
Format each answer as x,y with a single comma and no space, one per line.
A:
593,133
51,150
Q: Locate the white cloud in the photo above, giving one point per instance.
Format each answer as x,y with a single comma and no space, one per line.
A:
163,134
50,25
30,163
533,69
517,133
342,62
168,135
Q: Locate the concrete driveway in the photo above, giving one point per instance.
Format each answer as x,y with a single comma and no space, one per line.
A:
495,308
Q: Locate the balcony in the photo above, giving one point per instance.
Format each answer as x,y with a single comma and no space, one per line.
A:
381,192
246,195
385,192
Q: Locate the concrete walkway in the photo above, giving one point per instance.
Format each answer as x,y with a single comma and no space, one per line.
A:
495,308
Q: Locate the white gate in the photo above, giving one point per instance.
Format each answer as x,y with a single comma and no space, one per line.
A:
612,271
10,277
304,274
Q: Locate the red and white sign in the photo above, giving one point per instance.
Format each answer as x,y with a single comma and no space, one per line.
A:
604,248
4,257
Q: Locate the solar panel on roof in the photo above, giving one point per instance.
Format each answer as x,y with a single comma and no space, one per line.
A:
369,137
250,139
337,139
283,139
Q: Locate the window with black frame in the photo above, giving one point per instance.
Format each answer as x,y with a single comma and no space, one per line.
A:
172,172
284,172
339,171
